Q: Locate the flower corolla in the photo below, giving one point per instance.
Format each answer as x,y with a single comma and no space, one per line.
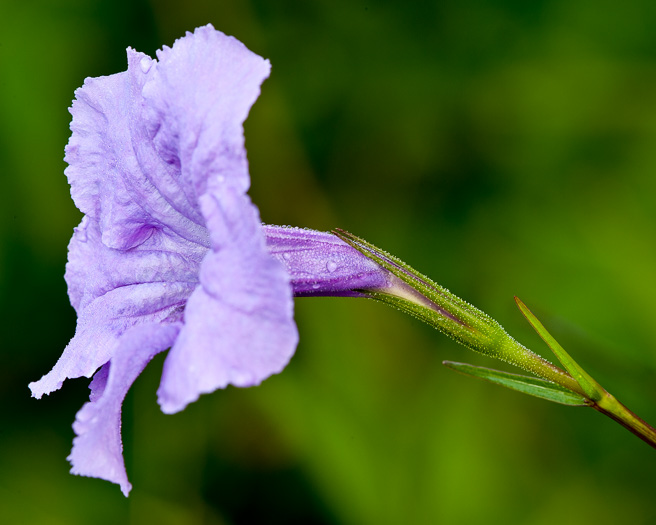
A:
171,252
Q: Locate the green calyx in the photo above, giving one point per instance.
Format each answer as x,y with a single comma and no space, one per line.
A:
416,294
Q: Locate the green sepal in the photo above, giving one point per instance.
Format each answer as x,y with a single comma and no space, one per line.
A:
590,387
446,305
416,294
532,386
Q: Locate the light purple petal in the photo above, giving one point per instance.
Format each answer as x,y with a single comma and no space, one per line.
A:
239,326
197,100
97,449
321,263
116,178
94,270
112,290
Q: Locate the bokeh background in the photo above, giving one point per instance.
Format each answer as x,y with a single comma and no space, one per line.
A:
501,147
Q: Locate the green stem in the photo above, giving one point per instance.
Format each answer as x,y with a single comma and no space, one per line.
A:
615,410
539,366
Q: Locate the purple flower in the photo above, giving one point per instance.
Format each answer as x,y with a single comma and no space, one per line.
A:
171,251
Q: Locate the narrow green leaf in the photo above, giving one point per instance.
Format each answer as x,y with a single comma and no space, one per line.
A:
590,387
532,386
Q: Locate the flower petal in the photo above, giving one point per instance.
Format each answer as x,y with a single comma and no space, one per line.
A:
239,326
147,142
97,449
113,290
93,269
197,100
116,177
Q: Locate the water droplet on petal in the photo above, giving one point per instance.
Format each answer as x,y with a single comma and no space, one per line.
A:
145,64
81,231
331,266
315,286
286,256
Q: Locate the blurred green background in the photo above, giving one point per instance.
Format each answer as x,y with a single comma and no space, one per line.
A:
501,147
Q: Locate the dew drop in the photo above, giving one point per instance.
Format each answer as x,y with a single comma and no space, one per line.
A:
331,266
145,64
315,286
286,256
81,234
